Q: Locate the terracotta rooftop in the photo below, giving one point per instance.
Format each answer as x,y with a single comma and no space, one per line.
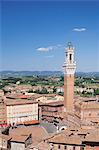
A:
35,96
6,137
23,96
38,133
65,114
17,96
64,139
49,95
75,136
19,138
31,122
87,98
19,131
9,102
93,136
90,105
53,104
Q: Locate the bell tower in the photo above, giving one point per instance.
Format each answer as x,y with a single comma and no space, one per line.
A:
69,71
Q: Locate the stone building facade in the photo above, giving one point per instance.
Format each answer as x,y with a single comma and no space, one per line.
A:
20,111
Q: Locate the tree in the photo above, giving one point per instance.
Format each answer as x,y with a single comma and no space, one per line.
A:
61,93
96,92
44,91
62,78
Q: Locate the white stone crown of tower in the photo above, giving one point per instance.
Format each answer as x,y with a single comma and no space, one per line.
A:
69,63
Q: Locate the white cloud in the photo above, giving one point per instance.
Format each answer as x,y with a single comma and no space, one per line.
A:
42,49
46,49
79,29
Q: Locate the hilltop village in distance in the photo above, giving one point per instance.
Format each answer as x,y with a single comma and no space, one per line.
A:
50,112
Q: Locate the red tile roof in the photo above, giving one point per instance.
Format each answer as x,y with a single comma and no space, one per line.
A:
31,122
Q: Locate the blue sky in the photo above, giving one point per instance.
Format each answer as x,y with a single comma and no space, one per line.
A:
34,34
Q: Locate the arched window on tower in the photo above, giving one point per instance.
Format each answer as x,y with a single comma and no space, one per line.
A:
70,58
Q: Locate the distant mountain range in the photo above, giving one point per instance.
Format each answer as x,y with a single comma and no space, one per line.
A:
44,73
29,73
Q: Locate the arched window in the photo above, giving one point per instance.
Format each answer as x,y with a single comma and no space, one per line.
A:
70,57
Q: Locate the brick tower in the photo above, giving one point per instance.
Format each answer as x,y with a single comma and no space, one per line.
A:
69,70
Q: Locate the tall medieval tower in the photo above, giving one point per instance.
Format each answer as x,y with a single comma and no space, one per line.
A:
69,71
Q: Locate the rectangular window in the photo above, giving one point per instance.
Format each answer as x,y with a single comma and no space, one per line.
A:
59,146
73,147
65,147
